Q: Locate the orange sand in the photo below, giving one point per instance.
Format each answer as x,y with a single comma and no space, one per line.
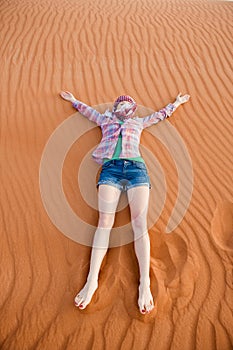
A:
151,50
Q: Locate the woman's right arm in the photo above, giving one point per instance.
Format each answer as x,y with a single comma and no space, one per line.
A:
84,109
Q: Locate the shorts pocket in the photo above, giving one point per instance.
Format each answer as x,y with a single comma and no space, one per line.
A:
140,165
107,164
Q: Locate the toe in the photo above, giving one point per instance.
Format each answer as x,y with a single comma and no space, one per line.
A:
78,300
149,308
82,305
143,310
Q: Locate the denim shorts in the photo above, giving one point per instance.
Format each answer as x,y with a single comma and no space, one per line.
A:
124,174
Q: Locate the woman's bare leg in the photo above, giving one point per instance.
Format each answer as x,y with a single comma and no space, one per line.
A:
108,197
138,198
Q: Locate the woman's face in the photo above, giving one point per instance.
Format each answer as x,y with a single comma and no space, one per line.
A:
123,109
123,106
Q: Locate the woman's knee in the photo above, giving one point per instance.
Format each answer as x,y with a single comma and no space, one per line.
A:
106,220
139,223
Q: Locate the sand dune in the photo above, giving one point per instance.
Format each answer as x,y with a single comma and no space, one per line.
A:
98,50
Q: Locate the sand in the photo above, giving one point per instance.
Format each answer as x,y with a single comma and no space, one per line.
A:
151,50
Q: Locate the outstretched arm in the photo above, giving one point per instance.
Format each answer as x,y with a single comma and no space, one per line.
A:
84,109
165,112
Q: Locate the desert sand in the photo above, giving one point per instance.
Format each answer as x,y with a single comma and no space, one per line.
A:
151,50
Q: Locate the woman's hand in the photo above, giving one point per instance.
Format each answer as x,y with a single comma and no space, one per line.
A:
182,99
67,96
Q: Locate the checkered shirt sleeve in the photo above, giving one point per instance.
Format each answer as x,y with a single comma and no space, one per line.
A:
89,112
156,117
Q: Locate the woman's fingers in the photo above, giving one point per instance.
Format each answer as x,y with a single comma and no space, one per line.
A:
182,99
186,97
63,94
66,95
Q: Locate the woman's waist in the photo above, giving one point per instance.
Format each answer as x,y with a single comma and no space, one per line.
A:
123,161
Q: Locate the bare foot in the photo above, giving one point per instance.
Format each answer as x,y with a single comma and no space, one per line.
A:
83,298
145,299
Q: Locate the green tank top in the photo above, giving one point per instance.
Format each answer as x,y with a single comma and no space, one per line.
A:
118,148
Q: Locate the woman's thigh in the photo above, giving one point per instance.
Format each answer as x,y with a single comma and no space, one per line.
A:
138,198
108,198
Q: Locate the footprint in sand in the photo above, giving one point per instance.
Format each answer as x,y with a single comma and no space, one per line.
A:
175,266
222,225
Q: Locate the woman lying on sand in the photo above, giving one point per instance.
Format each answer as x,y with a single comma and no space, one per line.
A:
123,169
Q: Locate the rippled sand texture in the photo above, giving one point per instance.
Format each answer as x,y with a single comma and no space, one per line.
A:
151,50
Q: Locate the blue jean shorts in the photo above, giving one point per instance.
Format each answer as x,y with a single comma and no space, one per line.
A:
124,174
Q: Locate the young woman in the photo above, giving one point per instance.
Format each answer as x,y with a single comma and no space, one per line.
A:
123,169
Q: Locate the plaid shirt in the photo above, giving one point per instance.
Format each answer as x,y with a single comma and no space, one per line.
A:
131,130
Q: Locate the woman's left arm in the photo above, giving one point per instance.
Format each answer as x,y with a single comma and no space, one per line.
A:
165,112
